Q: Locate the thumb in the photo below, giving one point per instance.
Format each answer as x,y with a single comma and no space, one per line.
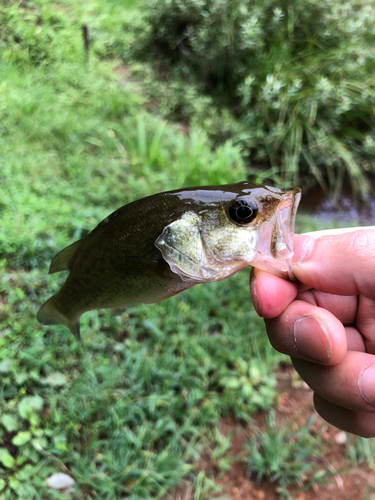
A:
338,261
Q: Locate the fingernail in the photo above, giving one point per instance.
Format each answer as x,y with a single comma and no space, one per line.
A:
366,385
303,249
311,339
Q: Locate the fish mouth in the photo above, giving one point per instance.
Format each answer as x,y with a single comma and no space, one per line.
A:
279,233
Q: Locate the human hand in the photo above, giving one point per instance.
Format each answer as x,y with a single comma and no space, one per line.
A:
326,322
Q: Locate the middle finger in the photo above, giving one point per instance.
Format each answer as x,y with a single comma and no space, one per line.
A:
308,332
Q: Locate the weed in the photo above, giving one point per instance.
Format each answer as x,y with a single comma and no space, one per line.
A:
361,451
285,457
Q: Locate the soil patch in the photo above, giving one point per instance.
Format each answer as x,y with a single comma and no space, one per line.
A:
294,408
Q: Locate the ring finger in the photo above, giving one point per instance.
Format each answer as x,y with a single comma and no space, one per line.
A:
308,332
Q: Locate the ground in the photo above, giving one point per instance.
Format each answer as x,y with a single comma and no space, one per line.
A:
295,407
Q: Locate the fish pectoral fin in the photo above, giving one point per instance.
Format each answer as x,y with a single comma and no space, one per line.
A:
62,260
137,266
164,298
118,311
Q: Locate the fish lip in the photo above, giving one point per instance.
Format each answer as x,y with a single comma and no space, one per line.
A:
279,232
284,228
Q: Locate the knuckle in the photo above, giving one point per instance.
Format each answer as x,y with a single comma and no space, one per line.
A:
362,242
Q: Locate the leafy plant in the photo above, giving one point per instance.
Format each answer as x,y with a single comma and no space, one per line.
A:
253,381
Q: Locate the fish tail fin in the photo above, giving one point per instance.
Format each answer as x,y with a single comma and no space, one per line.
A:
49,314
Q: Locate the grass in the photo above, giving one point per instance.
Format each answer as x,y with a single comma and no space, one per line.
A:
87,156
361,451
128,412
125,412
284,457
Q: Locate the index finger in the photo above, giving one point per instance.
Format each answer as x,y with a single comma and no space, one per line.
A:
337,262
271,294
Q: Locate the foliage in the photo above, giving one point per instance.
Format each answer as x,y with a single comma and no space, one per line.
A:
298,76
285,457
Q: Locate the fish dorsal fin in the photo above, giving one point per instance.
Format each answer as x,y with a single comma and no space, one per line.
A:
62,260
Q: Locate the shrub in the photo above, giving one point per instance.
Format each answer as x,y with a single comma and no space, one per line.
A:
298,75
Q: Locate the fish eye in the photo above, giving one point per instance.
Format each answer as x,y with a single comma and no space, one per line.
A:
243,212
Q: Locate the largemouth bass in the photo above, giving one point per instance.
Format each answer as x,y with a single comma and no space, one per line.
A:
158,246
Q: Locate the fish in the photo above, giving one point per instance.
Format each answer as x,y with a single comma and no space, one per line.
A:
161,245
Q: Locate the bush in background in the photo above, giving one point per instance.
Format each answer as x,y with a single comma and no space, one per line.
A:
297,75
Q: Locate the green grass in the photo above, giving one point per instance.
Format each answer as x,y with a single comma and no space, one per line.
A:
284,457
139,392
86,146
361,451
